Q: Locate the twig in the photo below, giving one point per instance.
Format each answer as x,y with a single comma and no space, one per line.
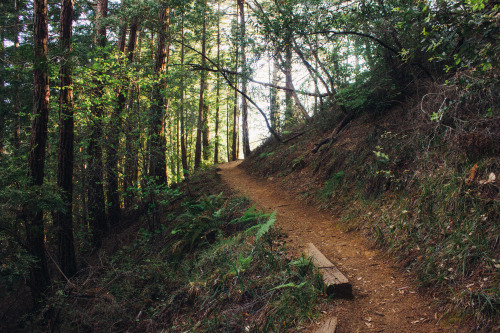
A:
60,271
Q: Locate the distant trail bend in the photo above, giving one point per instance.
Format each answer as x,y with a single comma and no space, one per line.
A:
384,299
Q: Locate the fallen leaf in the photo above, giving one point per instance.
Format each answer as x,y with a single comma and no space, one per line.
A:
472,174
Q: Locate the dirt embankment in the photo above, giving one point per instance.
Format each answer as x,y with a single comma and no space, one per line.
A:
385,300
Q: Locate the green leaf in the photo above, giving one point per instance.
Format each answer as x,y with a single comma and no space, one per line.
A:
264,228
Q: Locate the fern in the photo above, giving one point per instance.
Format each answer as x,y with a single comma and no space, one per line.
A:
264,227
250,215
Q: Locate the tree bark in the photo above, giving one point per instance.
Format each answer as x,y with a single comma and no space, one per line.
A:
2,86
235,146
289,109
35,234
130,167
217,93
157,159
206,130
244,105
184,160
113,143
274,106
199,130
17,101
64,220
95,193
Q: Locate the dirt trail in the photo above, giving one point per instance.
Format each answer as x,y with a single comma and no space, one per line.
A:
384,299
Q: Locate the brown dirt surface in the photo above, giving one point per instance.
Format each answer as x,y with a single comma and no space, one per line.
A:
385,299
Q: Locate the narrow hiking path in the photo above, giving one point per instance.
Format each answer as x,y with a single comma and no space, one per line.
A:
384,299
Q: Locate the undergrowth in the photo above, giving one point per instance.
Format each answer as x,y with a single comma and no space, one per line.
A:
422,180
218,266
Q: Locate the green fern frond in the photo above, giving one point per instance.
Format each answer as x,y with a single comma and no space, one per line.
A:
264,228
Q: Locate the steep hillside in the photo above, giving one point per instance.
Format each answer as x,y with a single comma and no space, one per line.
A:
421,184
212,263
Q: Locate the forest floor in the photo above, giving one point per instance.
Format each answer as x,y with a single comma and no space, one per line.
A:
385,299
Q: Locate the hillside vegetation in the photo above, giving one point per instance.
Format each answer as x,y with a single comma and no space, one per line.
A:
215,263
423,187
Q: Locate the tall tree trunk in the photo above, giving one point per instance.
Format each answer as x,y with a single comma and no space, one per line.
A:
95,193
113,142
199,130
289,109
217,94
289,84
17,82
130,167
274,107
157,160
235,146
184,159
35,235
177,149
228,117
206,129
244,105
2,86
64,220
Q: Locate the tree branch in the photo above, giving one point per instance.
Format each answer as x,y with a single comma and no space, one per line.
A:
265,84
355,33
224,75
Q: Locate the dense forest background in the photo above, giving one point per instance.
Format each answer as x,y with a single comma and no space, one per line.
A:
103,105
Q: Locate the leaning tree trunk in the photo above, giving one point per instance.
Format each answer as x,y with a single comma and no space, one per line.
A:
64,219
40,278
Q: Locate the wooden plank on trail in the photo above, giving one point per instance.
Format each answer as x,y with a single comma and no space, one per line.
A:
329,326
336,283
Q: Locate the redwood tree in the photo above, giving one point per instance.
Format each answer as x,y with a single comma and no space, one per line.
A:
40,278
203,82
244,105
95,193
157,159
64,219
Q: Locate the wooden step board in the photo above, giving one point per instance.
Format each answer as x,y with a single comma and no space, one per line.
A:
336,283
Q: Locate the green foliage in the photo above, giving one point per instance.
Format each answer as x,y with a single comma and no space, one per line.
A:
331,185
370,93
264,154
230,283
17,199
381,157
